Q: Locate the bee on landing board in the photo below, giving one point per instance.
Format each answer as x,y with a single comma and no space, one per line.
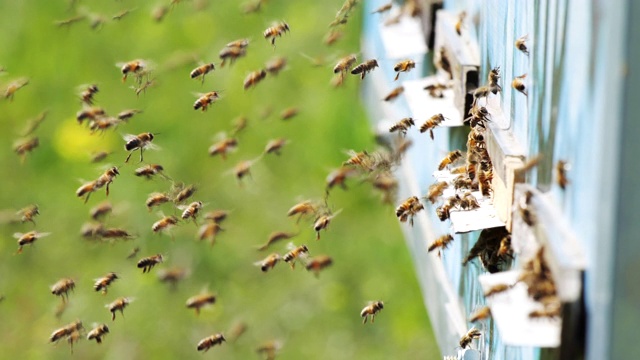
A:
201,71
147,263
276,30
98,333
141,141
199,301
371,310
62,287
118,305
28,238
210,341
102,284
403,66
466,340
365,68
205,100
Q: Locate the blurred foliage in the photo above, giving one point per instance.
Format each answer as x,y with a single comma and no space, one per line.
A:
312,317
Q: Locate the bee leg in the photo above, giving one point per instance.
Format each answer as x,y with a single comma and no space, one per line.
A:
317,235
431,133
373,318
128,157
113,316
107,188
141,150
87,197
397,76
364,321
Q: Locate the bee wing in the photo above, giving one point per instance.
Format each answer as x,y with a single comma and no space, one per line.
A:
18,235
258,263
182,207
41,235
291,245
128,137
152,146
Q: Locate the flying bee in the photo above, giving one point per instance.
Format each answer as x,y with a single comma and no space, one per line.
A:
28,213
318,263
275,65
98,333
332,37
275,237
460,23
156,199
239,124
444,63
371,309
365,68
436,90
164,224
34,123
269,349
210,341
125,115
451,158
493,77
172,276
199,301
231,54
518,84
90,113
322,222
275,145
388,184
147,263
103,283
344,64
115,233
62,287
65,331
106,179
202,70
408,209
436,190
183,192
275,31
118,305
103,123
24,146
216,216
440,243
14,86
69,21
295,253
133,252
561,169
86,95
205,100
521,44
91,230
190,211
339,177
136,67
240,43
288,113
394,93
28,238
254,78
403,66
140,141
466,340
268,263
496,289
303,208
383,9
480,314
431,123
209,231
150,170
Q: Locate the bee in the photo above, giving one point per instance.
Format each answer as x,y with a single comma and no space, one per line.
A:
62,287
431,123
484,182
468,202
388,185
199,301
150,170
318,264
136,67
202,70
269,262
382,9
436,190
91,230
480,314
205,100
15,86
113,233
184,193
444,211
505,249
22,147
91,113
102,124
254,78
156,199
460,22
518,84
322,222
303,208
98,332
28,238
561,174
164,224
275,237
269,349
118,305
525,211
191,210
288,113
147,263
339,176
408,209
239,124
140,141
28,213
436,90
295,253
231,54
548,312
240,43
65,331
159,12
133,252
275,31
106,179
172,276
403,66
209,231
451,158
275,65
371,309
344,64
210,341
357,158
34,123
444,62
496,289
103,283
493,77
365,68
394,93
521,44
87,94
332,37
217,216
440,243
481,92
125,115
275,145
466,340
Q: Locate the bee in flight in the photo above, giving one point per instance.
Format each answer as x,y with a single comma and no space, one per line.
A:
344,64
147,263
62,287
118,305
275,145
371,309
103,283
24,146
28,238
518,84
15,86
394,93
431,123
254,78
303,208
275,31
28,213
150,170
451,158
402,126
137,67
296,252
199,301
98,333
141,141
466,340
274,66
164,224
268,263
318,263
222,147
276,236
86,95
323,221
209,231
365,68
403,66
205,100
191,211
70,331
156,199
202,70
440,243
521,44
210,341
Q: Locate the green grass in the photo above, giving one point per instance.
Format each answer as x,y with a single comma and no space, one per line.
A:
313,317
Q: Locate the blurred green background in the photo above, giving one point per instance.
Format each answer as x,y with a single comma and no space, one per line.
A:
312,317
